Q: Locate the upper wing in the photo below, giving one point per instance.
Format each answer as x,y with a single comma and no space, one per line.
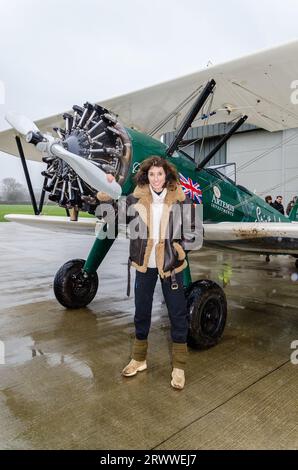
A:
258,85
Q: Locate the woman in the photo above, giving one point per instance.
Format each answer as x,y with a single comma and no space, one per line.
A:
159,250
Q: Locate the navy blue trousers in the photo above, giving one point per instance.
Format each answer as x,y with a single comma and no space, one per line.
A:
175,300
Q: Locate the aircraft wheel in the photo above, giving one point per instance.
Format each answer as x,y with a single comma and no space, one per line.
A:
207,309
72,287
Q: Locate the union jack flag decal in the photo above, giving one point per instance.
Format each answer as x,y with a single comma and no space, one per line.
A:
191,189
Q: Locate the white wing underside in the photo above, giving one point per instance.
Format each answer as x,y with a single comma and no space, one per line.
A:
84,225
258,85
238,235
258,237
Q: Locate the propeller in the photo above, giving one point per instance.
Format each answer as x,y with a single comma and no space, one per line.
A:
21,123
89,173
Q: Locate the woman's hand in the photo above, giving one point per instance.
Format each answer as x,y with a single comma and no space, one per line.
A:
104,197
110,177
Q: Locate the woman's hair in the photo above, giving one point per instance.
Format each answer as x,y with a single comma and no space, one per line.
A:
172,178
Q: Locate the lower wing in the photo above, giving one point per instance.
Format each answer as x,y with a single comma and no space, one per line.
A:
257,237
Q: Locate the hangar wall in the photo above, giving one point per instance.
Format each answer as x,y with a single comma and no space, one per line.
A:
266,163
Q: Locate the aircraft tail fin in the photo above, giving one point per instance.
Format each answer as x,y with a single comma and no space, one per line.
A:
293,216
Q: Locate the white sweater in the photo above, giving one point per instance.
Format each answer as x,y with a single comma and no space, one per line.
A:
157,207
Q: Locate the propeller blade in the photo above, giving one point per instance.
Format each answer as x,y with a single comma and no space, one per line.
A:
91,174
21,123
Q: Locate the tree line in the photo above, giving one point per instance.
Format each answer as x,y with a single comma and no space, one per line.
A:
11,191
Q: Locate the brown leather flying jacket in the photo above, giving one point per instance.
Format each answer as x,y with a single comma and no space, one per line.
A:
180,230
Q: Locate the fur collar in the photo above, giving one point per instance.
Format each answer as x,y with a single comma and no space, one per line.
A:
144,194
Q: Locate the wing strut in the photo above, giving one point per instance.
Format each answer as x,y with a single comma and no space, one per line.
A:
222,142
37,210
188,120
27,176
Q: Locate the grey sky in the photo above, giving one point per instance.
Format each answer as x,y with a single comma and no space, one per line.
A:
58,53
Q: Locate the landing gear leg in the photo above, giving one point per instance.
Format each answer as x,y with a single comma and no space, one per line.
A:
76,282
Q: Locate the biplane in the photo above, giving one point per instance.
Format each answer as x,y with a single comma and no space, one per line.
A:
81,146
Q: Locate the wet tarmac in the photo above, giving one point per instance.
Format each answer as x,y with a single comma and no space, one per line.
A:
61,388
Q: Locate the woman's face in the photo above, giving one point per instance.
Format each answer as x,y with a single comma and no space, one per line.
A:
157,178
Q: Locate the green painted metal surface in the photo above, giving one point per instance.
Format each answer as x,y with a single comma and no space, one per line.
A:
99,249
223,200
294,213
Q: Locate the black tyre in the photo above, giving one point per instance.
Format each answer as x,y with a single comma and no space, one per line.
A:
72,287
207,309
